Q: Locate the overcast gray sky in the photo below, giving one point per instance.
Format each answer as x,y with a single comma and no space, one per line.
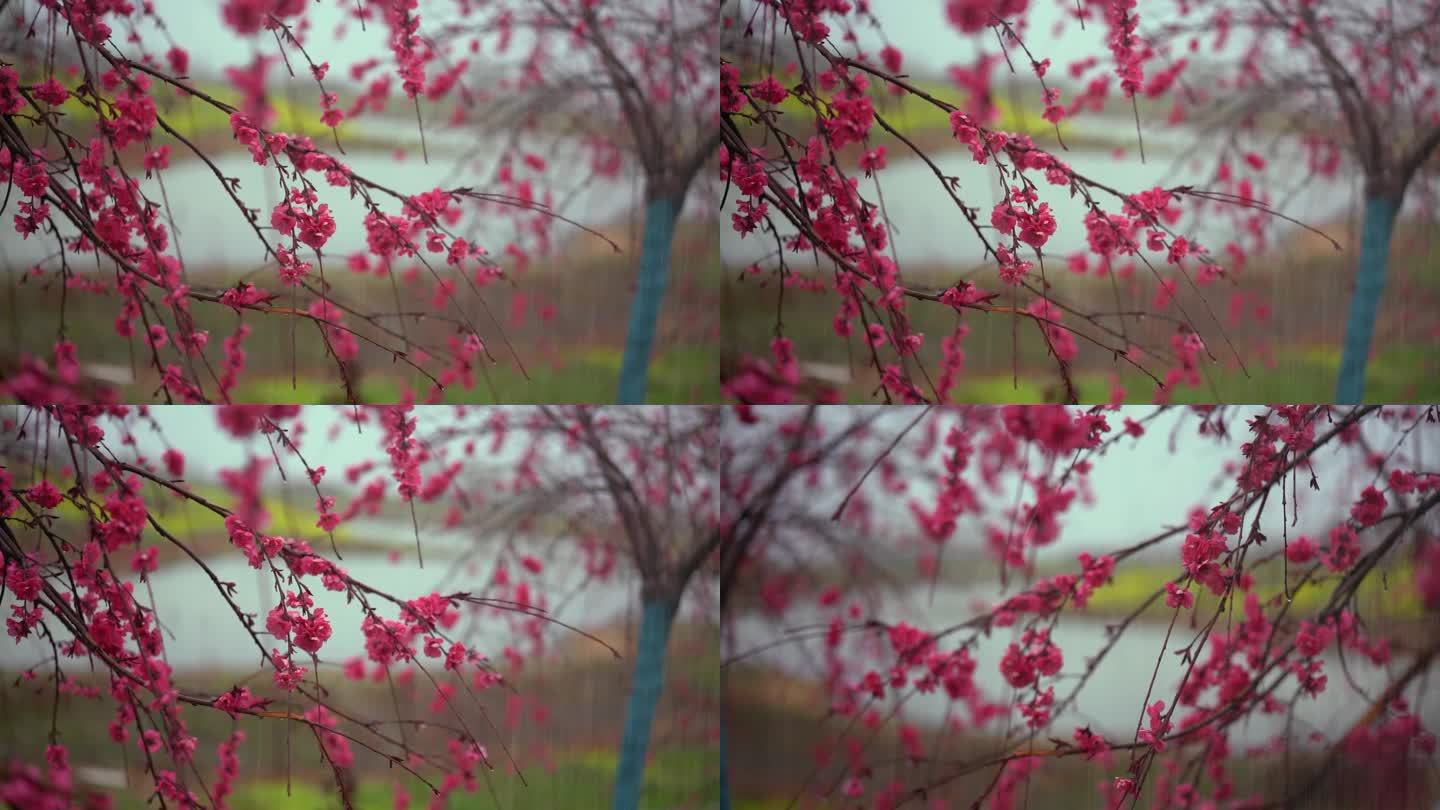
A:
917,27
922,31
196,25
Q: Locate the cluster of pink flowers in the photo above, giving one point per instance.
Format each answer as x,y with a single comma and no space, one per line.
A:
1036,710
288,674
956,497
389,236
292,270
23,619
33,180
340,339
1010,783
1092,744
337,747
1035,656
751,209
262,146
1109,235
1177,596
228,768
256,551
1427,573
1312,639
1154,734
301,217
1054,111
411,52
1054,428
1013,269
406,454
135,114
387,640
1369,509
1125,46
732,99
26,785
853,116
973,16
1061,341
239,700
804,18
297,620
761,382
244,296
1344,549
250,16
1198,553
966,132
11,102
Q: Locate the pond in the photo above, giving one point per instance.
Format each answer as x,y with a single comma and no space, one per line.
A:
213,231
1113,700
201,631
930,230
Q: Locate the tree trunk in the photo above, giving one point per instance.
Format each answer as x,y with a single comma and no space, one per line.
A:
646,682
660,215
724,769
1375,231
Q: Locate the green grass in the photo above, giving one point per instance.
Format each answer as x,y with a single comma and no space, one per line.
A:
1391,597
190,518
294,519
1003,389
1302,372
194,117
771,750
675,778
701,670
778,803
1396,374
912,115
684,367
680,374
1425,269
928,126
295,103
